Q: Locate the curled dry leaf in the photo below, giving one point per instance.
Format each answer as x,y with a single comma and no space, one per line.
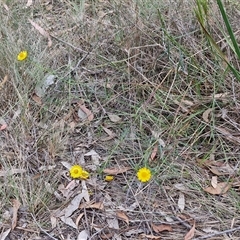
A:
221,188
36,99
97,205
154,152
84,113
115,171
42,32
110,133
121,215
161,228
16,205
205,115
114,118
191,232
224,169
183,107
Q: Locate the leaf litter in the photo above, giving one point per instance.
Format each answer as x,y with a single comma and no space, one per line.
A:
68,190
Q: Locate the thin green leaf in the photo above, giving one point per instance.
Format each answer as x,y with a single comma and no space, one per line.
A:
229,28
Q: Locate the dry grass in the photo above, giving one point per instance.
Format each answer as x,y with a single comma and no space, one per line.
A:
147,63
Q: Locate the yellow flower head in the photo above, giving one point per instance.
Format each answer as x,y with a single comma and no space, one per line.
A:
144,174
84,175
22,55
76,171
109,178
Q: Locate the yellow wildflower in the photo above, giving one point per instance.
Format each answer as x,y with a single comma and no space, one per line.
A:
22,55
144,174
109,178
76,171
84,175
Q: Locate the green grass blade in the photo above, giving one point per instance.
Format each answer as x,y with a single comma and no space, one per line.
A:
229,28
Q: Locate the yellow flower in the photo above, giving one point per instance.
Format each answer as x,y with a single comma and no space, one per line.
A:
22,55
84,175
76,171
109,178
144,174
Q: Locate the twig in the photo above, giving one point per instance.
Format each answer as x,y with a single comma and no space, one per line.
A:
218,233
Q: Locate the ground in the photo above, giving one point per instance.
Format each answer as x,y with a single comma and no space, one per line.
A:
116,86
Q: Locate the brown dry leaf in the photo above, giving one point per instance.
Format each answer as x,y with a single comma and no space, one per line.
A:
123,216
214,181
228,135
221,188
187,102
86,111
110,133
191,232
150,236
221,170
42,32
154,152
115,171
36,99
181,105
114,118
206,115
107,236
161,228
16,205
97,205
5,79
